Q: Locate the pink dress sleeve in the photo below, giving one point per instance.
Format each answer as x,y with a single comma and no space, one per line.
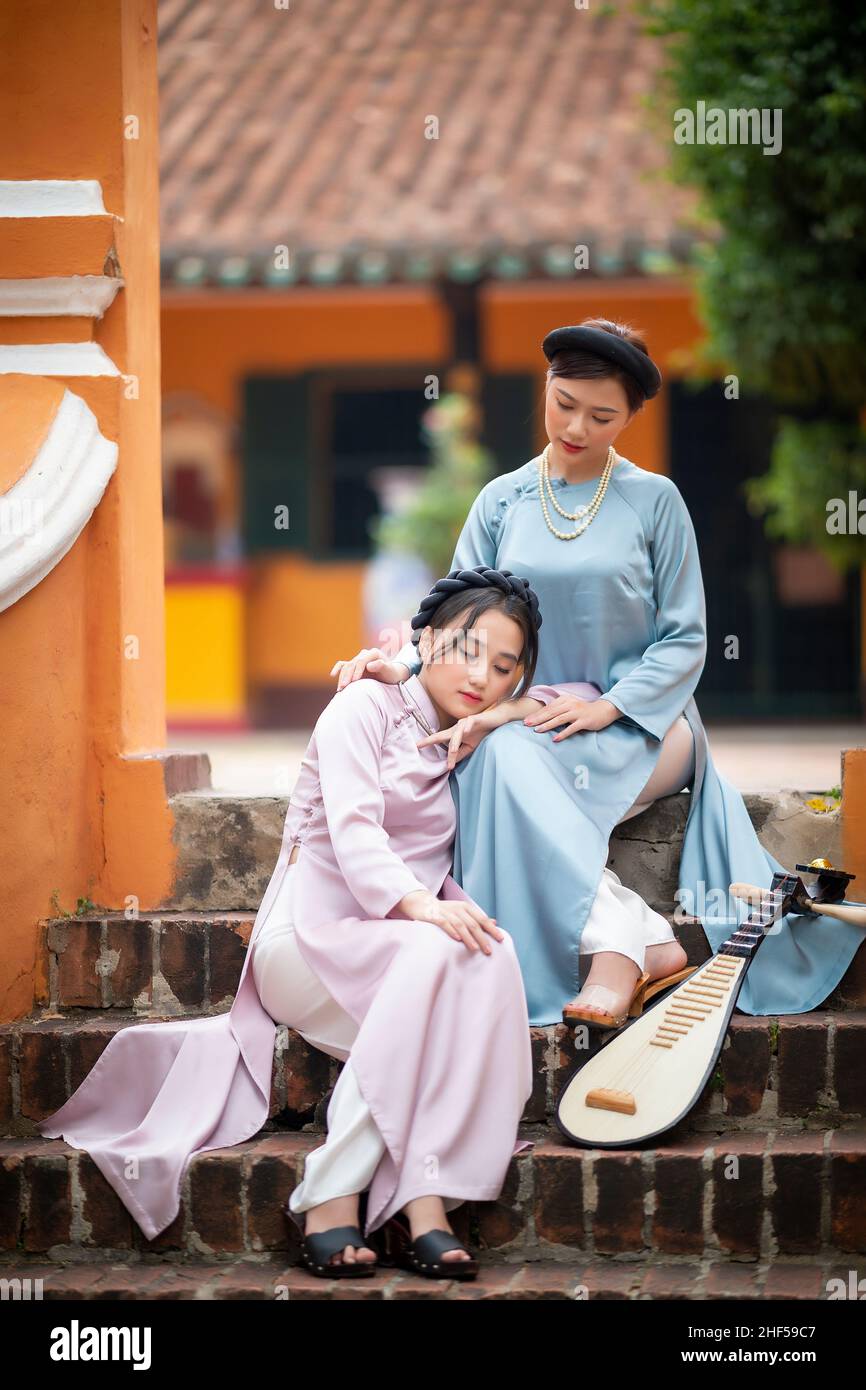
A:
349,736
582,689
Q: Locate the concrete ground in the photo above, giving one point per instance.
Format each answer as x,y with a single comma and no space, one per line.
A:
755,757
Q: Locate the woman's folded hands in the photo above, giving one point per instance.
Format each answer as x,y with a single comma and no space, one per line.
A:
577,715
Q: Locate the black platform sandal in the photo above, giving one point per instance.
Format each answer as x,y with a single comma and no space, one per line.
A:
421,1255
316,1250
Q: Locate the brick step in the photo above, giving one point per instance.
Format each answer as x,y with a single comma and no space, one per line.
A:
43,1060
182,963
157,964
800,1070
731,1195
176,963
227,844
601,1277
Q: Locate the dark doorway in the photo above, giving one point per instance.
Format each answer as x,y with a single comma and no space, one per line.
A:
370,429
797,624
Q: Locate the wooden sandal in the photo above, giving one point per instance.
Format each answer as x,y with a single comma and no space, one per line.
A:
644,990
573,1013
667,982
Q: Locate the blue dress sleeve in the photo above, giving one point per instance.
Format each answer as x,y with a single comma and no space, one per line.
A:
476,545
656,691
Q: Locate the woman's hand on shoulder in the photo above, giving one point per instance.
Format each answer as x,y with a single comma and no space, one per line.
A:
464,736
463,920
579,716
372,662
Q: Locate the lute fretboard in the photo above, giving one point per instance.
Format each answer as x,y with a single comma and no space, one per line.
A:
774,904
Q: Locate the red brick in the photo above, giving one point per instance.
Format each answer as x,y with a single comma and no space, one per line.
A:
131,979
802,1063
11,1198
227,949
182,961
745,1066
6,1036
503,1221
49,1193
215,1198
733,1281
849,1056
41,1070
794,1281
77,946
848,1188
738,1202
558,1204
797,1165
535,1109
677,1223
670,1281
108,1221
617,1223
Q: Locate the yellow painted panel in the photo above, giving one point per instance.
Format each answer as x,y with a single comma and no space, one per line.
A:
205,664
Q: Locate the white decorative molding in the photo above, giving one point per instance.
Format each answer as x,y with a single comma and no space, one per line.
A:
51,198
87,295
56,359
44,512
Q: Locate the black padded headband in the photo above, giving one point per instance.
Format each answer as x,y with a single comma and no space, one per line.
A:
614,349
482,577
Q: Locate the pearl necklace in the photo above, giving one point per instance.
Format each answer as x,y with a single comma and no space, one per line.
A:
589,511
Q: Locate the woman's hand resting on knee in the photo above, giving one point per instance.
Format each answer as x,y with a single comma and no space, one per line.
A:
462,920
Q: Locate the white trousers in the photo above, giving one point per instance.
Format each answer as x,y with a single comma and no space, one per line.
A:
294,994
619,919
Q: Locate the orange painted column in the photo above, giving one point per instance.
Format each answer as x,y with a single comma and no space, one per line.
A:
854,818
83,804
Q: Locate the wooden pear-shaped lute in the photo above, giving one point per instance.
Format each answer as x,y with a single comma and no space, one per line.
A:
650,1074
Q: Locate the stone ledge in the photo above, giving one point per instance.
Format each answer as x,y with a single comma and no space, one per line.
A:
227,845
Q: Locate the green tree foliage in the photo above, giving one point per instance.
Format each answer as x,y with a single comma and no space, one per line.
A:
781,291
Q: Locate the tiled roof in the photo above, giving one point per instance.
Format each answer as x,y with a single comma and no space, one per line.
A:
305,127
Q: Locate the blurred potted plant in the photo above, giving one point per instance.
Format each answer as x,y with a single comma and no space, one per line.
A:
416,536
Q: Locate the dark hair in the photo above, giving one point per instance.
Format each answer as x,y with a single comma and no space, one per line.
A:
480,601
577,362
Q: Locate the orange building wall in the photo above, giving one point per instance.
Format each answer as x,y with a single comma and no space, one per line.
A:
303,615
80,816
211,339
